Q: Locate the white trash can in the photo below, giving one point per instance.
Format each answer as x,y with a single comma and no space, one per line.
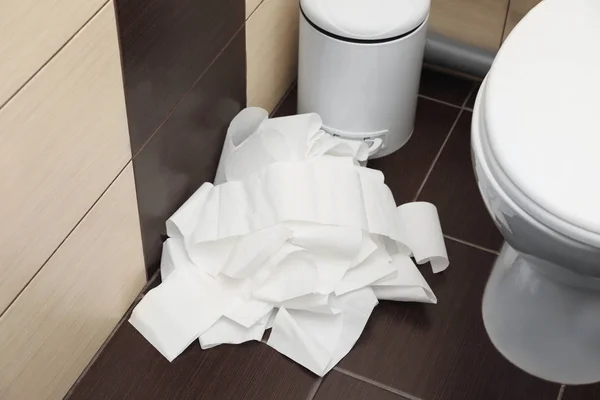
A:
359,67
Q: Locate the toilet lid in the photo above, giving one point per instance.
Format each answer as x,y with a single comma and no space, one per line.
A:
542,111
366,19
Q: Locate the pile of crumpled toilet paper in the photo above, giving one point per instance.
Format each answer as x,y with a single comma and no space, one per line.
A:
294,236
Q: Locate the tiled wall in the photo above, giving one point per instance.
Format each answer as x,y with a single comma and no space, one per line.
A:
185,79
70,247
517,10
272,50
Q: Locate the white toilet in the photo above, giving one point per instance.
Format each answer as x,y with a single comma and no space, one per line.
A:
536,153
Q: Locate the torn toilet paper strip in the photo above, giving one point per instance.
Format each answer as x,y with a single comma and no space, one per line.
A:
321,191
295,237
253,141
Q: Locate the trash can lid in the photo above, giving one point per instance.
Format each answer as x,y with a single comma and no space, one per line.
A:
366,19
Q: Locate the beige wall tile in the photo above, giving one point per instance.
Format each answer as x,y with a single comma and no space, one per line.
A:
516,11
271,51
63,139
31,31
251,5
54,328
476,22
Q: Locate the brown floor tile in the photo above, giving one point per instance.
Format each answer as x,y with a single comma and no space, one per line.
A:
130,368
337,386
471,102
585,392
406,168
441,86
453,189
185,152
166,46
288,105
442,351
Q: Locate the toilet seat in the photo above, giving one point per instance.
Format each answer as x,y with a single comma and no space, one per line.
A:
541,112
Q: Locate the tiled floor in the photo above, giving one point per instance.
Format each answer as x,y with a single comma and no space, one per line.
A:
407,351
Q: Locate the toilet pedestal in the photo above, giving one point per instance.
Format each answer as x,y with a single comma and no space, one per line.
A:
544,318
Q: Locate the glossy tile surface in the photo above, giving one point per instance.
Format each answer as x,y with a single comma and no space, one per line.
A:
471,101
185,152
453,189
440,86
337,386
130,368
584,392
406,168
288,105
442,351
166,46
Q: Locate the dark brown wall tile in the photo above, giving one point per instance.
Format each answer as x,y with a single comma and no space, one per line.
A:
185,152
130,368
337,386
442,351
453,189
166,46
444,87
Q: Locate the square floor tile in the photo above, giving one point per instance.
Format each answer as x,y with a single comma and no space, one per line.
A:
130,368
441,86
585,392
442,352
453,189
337,386
289,105
406,168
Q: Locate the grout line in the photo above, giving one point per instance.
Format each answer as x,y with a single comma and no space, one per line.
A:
315,389
64,240
188,92
495,252
505,22
468,109
253,11
54,54
439,153
437,156
390,389
283,99
439,101
561,391
112,334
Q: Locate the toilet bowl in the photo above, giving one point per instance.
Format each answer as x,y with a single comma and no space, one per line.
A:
536,153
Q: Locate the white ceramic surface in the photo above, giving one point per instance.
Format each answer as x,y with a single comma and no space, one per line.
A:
542,112
542,300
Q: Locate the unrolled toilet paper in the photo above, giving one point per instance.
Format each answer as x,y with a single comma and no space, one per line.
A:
294,236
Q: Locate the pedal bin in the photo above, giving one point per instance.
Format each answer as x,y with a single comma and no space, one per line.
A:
359,67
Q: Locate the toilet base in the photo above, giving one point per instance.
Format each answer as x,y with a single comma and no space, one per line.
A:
543,318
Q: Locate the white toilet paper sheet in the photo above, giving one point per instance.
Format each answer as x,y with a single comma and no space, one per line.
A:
297,238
